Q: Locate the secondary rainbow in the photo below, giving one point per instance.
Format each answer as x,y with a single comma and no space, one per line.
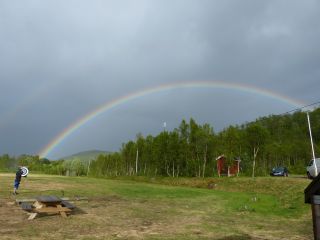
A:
165,87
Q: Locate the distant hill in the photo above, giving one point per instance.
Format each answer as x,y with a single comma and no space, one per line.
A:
85,156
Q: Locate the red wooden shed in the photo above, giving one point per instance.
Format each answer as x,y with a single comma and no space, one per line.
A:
225,169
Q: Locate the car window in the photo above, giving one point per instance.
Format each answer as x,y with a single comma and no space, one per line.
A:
279,169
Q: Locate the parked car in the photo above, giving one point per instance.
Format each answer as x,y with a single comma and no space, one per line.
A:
311,168
279,171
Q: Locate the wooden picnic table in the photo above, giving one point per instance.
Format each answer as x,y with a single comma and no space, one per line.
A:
50,205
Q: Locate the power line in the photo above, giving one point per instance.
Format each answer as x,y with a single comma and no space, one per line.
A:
297,109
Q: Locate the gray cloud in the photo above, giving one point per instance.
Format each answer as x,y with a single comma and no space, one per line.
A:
61,59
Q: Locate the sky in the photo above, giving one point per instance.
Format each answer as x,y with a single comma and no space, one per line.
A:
62,60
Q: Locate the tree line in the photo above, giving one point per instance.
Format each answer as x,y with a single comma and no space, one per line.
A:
190,150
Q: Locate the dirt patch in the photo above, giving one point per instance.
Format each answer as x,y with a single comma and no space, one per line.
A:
11,217
101,217
112,217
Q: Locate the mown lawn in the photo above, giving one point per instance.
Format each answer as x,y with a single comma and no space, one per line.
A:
164,208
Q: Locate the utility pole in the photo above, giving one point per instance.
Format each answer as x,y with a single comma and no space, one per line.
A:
314,157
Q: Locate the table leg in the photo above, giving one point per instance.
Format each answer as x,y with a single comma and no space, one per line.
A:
62,213
32,216
37,205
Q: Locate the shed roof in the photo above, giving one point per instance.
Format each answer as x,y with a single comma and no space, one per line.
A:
221,156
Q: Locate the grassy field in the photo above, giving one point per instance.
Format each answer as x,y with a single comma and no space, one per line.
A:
216,208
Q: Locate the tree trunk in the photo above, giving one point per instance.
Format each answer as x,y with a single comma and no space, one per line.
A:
199,166
177,171
255,152
167,168
172,169
204,161
88,168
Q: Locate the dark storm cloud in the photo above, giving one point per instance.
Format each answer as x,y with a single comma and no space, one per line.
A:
61,59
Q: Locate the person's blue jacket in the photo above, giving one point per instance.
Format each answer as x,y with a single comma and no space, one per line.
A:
18,175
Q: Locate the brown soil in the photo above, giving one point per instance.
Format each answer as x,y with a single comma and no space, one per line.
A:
106,217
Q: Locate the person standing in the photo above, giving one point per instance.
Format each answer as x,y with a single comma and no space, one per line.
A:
17,180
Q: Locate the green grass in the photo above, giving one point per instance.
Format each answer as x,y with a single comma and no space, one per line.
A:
235,208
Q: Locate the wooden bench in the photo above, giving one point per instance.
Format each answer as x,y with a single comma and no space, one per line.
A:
27,206
47,205
57,209
50,205
67,204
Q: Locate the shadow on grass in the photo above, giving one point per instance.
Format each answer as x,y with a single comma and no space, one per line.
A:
237,237
78,211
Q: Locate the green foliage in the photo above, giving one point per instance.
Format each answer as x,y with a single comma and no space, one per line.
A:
7,163
191,149
84,156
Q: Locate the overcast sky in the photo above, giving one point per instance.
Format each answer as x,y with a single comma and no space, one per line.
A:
59,60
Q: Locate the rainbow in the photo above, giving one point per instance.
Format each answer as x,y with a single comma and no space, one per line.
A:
160,88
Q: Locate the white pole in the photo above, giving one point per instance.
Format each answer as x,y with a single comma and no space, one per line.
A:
137,156
314,158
